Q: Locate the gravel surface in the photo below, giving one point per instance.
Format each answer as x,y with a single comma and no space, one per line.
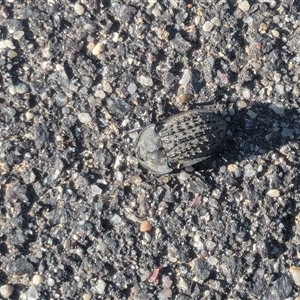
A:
80,218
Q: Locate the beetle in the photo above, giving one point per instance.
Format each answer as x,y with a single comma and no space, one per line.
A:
181,140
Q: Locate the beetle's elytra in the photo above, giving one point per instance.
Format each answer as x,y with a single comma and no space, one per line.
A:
180,140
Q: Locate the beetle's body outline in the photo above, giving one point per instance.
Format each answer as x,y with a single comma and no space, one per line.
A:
180,140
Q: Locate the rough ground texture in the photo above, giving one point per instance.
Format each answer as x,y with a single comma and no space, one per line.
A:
76,79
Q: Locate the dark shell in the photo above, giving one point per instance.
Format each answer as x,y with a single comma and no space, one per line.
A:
180,140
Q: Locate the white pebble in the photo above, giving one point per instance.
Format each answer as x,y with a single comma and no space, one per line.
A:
241,104
100,94
145,80
208,26
51,282
87,296
100,287
79,9
244,6
273,193
278,108
84,118
29,116
279,89
249,171
212,261
210,245
22,88
186,77
131,88
6,44
275,33
277,77
246,94
182,285
96,190
295,271
216,21
6,291
37,279
12,53
107,87
97,49
183,176
18,34
32,293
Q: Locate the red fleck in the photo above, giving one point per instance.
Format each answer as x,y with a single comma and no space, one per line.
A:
155,274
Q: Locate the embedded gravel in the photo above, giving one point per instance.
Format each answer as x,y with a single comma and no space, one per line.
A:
80,218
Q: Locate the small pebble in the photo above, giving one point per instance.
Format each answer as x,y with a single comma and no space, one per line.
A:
246,94
210,245
87,296
232,167
275,33
37,279
238,172
183,176
60,100
145,80
241,104
274,193
20,88
51,282
249,171
29,116
263,27
183,98
244,6
32,293
295,271
287,132
100,94
79,9
12,53
166,281
107,87
18,34
90,46
131,88
186,77
212,261
95,190
278,108
182,285
164,294
208,26
216,21
84,118
277,77
97,49
6,291
100,287
279,89
145,226
251,114
6,44
147,237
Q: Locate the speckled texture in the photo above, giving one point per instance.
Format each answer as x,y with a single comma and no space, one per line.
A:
181,140
77,81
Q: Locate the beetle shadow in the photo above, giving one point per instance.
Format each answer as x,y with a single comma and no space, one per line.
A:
254,131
